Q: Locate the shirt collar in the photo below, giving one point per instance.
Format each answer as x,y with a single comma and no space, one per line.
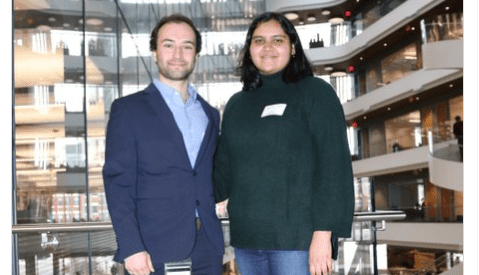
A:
169,93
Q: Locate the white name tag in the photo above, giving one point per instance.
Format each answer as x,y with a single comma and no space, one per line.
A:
274,110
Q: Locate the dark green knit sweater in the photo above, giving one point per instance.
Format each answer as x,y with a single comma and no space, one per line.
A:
285,174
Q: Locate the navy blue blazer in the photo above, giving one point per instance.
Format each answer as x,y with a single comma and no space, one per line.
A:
151,189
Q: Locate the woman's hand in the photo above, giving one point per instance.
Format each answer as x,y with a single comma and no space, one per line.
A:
320,253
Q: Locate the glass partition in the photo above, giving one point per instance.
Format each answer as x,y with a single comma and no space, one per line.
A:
67,253
448,26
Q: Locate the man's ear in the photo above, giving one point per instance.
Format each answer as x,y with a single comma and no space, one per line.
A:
153,55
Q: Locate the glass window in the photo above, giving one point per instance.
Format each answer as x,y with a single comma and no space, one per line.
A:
403,132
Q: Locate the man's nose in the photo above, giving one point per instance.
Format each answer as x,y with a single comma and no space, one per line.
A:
177,52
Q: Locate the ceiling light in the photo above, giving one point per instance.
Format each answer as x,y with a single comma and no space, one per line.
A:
94,21
301,22
311,18
291,15
336,20
44,28
326,12
52,19
365,117
385,44
389,108
447,8
451,85
338,74
328,68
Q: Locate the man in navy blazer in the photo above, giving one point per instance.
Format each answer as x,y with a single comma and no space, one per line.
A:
159,152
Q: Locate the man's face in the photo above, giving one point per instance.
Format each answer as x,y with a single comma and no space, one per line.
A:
176,52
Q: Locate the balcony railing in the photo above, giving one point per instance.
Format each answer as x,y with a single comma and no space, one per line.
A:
44,247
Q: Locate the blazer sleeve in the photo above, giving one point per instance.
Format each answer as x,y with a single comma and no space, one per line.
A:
120,180
333,188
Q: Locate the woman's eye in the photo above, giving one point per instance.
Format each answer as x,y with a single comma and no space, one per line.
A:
258,41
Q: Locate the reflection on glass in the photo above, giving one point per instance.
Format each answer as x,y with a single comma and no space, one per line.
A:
403,132
67,253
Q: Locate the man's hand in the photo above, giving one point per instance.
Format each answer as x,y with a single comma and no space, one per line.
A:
320,253
139,264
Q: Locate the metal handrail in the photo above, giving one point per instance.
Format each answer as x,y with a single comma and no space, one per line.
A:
55,227
102,226
381,215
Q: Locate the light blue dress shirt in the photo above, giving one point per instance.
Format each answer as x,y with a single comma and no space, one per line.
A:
190,117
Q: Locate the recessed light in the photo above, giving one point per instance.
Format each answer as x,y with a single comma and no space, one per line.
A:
365,117
94,21
326,12
389,108
328,68
451,85
52,19
291,15
336,20
385,44
447,8
44,28
361,58
311,18
338,74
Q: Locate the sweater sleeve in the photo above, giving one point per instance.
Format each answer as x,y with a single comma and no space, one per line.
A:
222,165
333,188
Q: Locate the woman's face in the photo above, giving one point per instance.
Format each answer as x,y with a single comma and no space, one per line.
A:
270,48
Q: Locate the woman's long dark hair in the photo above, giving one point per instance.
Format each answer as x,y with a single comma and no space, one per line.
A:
297,68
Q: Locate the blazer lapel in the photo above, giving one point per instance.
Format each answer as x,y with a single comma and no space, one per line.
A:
160,107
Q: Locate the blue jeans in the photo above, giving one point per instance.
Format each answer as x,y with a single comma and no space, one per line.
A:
272,262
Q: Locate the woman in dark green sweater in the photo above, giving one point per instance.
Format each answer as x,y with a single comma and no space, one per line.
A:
283,159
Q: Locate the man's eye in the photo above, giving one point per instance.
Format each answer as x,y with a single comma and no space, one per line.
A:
167,45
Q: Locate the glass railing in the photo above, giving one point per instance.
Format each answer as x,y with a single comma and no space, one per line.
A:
88,247
438,265
449,149
432,213
334,34
443,27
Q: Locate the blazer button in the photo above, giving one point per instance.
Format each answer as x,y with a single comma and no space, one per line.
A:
194,173
197,203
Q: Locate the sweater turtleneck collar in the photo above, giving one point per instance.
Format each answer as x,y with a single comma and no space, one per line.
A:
272,80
